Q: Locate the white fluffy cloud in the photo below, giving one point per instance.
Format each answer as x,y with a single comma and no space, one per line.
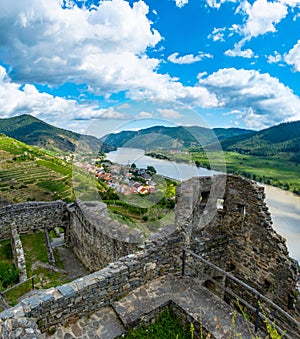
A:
255,94
17,99
293,57
104,47
218,4
181,3
291,3
188,58
273,59
262,16
48,44
238,51
145,115
217,34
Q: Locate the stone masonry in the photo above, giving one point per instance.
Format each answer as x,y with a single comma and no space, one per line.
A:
222,218
32,216
82,296
96,239
18,253
237,236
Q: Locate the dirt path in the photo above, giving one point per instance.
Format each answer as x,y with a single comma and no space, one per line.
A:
72,265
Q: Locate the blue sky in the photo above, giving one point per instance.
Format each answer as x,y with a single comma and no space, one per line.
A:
76,63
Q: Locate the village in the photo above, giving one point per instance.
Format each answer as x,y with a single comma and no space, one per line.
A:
126,180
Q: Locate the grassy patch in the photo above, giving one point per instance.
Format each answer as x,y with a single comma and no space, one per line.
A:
166,326
35,250
56,166
8,273
6,251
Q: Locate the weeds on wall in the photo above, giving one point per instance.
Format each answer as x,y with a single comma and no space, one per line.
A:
169,326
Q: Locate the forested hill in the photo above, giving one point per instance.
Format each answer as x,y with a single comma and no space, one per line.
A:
271,141
33,131
186,136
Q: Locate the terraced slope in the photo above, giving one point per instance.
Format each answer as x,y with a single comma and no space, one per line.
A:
28,173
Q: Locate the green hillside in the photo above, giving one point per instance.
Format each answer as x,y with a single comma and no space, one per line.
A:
159,137
33,131
27,173
284,138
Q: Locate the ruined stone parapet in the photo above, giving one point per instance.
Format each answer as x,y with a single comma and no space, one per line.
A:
32,216
95,213
20,327
250,248
96,239
196,205
84,295
222,218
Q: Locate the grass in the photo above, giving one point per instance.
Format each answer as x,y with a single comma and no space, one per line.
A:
166,326
35,250
6,252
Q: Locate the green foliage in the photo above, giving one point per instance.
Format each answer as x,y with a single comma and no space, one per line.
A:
158,137
151,170
109,195
268,142
134,210
33,131
35,251
166,326
8,274
6,251
56,165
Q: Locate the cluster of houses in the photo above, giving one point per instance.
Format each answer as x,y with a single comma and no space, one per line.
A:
123,179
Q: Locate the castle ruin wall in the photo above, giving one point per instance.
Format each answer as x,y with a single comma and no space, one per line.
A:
87,294
32,216
249,248
97,239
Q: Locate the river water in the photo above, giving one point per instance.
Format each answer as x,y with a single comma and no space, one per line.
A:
284,206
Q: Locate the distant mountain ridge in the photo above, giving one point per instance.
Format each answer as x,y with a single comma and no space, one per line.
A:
34,131
282,140
267,142
185,136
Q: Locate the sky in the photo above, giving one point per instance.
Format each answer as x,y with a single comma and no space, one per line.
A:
78,64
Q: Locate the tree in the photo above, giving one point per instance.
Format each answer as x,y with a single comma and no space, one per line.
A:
197,163
151,170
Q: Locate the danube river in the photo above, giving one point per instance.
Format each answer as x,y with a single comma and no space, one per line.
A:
284,206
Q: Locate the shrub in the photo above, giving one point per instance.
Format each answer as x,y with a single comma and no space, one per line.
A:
8,274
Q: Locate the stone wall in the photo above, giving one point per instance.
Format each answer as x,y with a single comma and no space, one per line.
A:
97,239
32,216
222,218
250,249
84,295
18,253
